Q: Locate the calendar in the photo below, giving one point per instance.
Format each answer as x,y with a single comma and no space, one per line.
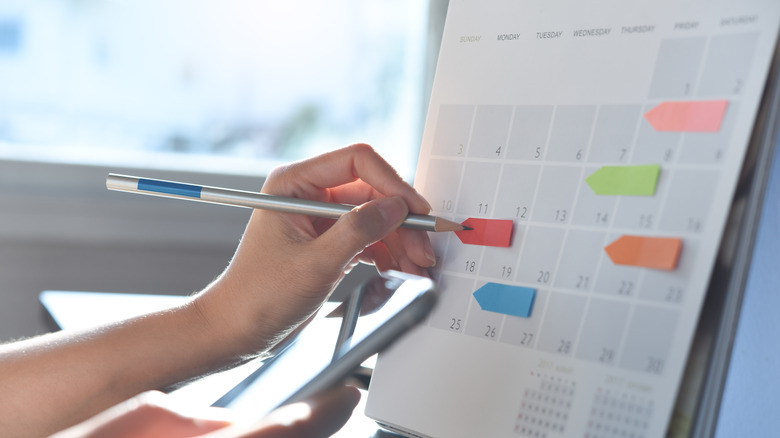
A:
595,148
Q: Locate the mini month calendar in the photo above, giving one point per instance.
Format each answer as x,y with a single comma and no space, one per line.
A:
595,148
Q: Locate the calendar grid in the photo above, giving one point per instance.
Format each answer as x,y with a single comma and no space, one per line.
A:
551,284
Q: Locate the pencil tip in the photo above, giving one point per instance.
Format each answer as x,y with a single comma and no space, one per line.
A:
465,228
446,225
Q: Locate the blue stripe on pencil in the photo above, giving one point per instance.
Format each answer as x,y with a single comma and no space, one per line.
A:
171,188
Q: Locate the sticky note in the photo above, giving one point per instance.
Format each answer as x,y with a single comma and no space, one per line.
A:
487,232
688,116
647,252
506,299
625,180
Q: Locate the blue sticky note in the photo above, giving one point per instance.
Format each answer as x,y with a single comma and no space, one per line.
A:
506,299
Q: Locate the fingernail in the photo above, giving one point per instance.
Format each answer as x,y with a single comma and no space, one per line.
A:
393,210
429,254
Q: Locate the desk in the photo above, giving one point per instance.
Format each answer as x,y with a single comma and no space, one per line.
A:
80,310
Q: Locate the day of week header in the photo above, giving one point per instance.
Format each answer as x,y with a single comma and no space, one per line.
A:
734,21
544,35
602,31
605,31
686,25
637,29
508,36
470,38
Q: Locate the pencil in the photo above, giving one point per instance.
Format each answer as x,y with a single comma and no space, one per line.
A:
242,198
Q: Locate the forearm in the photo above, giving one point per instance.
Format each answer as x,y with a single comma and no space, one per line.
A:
57,380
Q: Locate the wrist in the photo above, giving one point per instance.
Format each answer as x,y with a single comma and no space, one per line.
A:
234,328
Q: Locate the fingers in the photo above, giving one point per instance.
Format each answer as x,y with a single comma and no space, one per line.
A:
402,254
416,243
379,256
322,416
331,410
357,162
358,229
417,246
147,415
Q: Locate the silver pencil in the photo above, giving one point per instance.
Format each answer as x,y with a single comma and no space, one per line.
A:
242,198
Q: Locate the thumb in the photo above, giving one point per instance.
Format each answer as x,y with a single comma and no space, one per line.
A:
363,226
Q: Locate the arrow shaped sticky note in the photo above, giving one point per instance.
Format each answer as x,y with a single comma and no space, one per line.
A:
689,116
487,232
647,252
625,180
506,299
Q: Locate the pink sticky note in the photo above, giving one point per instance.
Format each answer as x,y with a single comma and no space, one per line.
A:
689,116
487,232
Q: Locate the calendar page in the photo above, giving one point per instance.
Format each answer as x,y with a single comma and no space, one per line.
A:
594,147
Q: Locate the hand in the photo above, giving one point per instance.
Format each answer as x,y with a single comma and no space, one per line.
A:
151,414
286,265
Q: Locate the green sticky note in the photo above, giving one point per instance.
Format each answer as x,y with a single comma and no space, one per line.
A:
625,180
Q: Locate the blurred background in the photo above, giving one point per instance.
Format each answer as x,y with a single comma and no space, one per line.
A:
213,92
217,86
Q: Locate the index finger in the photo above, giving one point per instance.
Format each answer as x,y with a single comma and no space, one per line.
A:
313,177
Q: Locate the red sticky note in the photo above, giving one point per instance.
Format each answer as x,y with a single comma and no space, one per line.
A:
487,232
689,116
647,252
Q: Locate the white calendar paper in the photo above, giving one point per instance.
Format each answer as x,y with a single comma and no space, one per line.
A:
531,99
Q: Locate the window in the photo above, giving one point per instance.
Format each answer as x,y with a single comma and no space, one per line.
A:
228,86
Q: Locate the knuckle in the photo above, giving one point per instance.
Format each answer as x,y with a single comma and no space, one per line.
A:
362,149
277,176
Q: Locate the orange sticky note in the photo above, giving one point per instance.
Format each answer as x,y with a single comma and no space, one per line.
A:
487,232
689,116
646,252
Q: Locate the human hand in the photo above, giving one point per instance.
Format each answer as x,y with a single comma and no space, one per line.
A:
286,265
152,414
